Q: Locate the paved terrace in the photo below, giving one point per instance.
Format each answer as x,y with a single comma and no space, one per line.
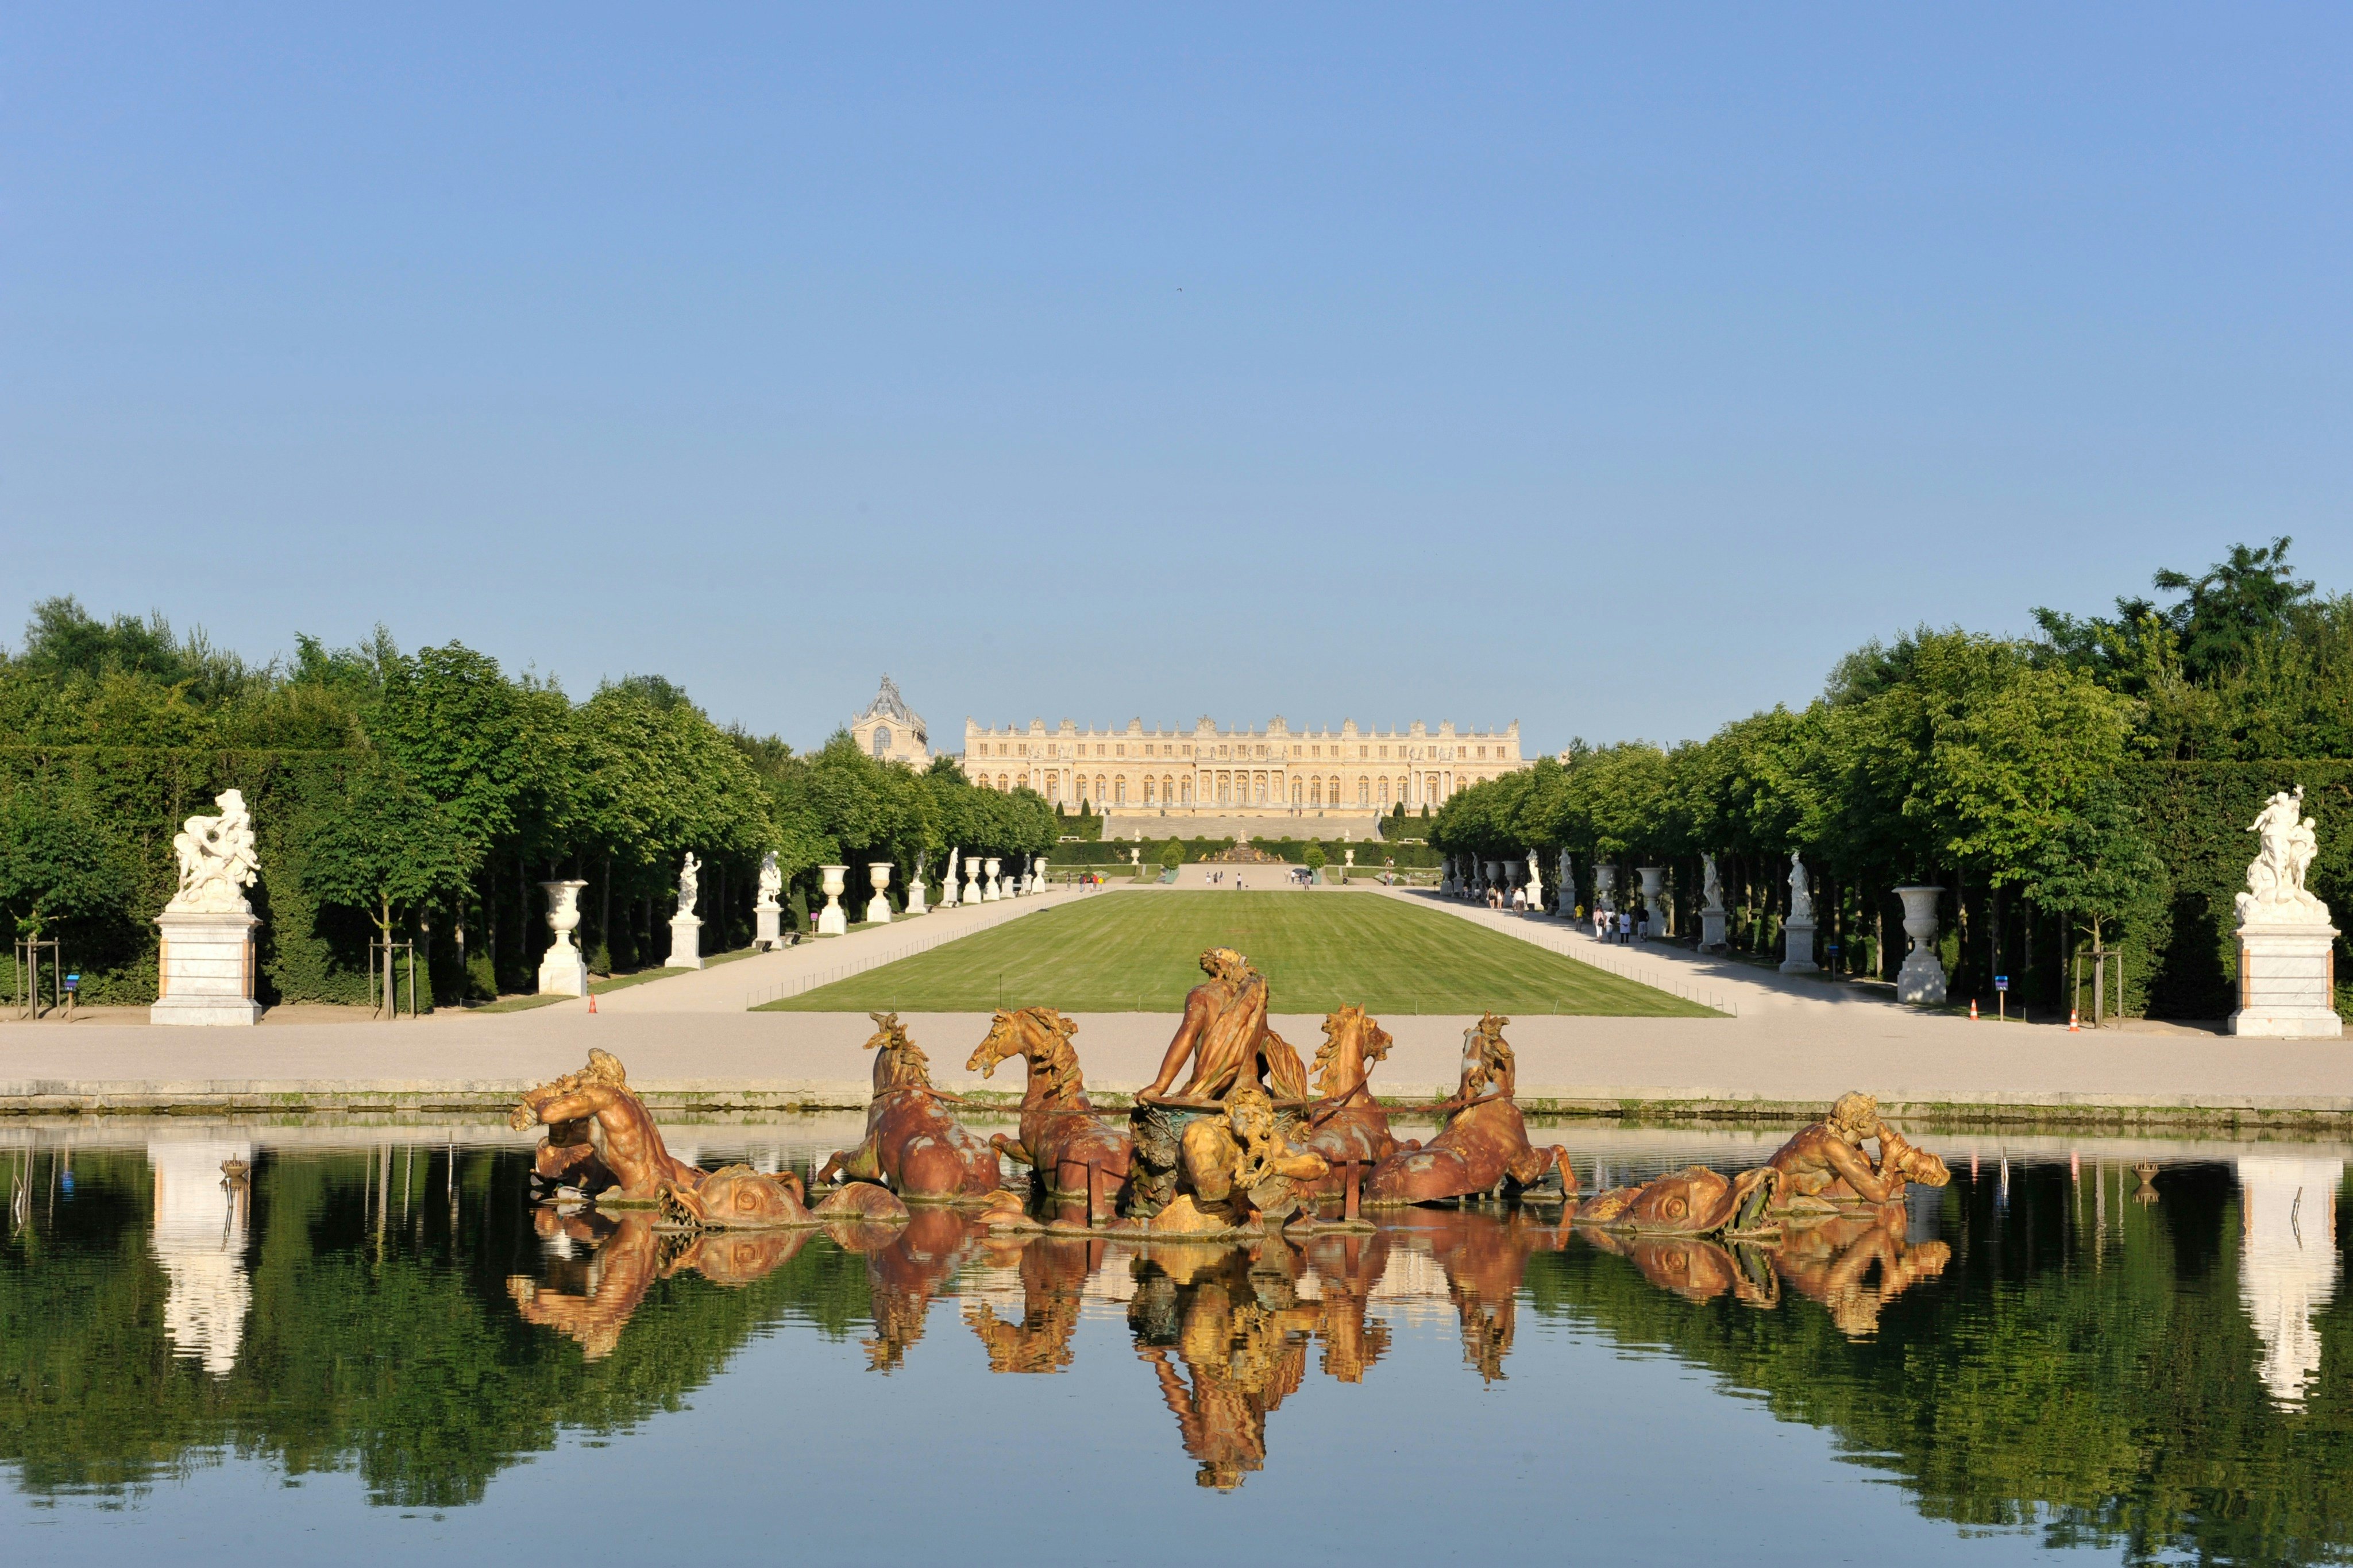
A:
1789,1044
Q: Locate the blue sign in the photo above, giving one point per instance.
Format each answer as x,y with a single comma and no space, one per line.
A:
2001,981
73,982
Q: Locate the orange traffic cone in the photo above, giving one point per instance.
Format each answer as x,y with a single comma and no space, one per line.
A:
2075,1021
592,1003
1973,1009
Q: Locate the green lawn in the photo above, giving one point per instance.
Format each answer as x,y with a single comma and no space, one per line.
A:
1139,952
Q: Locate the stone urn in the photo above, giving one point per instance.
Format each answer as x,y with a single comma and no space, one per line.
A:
878,876
562,971
1655,897
972,894
831,920
1040,873
994,889
1921,978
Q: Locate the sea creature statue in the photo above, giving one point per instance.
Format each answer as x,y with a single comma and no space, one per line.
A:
1072,1151
1483,1145
914,1145
633,1169
1183,1141
2286,843
633,1164
217,859
1823,1169
1348,1125
1693,1200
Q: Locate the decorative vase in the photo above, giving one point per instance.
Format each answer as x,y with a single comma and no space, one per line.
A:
830,919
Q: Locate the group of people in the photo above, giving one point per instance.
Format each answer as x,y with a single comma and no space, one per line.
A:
1499,900
1621,926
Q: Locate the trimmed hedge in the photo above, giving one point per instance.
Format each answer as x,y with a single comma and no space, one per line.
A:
2180,939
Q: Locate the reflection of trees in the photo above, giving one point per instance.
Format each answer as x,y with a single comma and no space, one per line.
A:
382,1337
2103,1395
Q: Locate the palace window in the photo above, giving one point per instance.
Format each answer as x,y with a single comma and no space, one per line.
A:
1482,753
1147,792
1188,787
1364,792
1385,792
1119,789
1364,751
1224,791
1053,787
1315,792
1385,751
1298,793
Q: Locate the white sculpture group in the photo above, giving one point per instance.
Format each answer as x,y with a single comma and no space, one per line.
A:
205,963
2286,973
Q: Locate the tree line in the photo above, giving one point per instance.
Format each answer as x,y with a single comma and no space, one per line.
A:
421,796
2084,786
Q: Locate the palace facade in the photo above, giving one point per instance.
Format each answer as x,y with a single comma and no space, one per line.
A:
891,731
1206,770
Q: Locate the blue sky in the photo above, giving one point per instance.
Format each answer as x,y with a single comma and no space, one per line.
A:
1610,369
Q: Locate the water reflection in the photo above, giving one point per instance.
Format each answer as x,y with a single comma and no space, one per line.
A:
199,1236
2050,1344
2287,1270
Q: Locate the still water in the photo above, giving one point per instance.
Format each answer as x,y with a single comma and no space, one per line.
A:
373,1347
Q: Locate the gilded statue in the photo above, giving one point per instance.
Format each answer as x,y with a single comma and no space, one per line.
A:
1823,1169
1483,1143
1184,1144
1347,1124
630,1166
1075,1155
1239,1332
914,1145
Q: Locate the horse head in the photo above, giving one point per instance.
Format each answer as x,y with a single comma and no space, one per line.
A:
1040,1035
899,1062
1353,1042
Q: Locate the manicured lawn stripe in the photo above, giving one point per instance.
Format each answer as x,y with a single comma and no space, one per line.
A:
1138,952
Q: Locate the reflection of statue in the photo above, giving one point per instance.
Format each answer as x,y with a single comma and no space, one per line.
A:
628,1257
1053,1283
1830,1259
2287,844
1484,1141
1801,897
216,860
1237,1324
1693,1200
689,885
904,1273
914,1144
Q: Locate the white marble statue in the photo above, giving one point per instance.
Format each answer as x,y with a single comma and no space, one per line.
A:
1802,892
918,895
216,860
772,882
949,892
690,886
1711,885
2287,844
1535,885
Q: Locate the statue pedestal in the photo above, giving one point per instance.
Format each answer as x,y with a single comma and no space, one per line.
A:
915,904
685,943
2287,982
1711,931
1801,958
205,972
768,926
562,971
